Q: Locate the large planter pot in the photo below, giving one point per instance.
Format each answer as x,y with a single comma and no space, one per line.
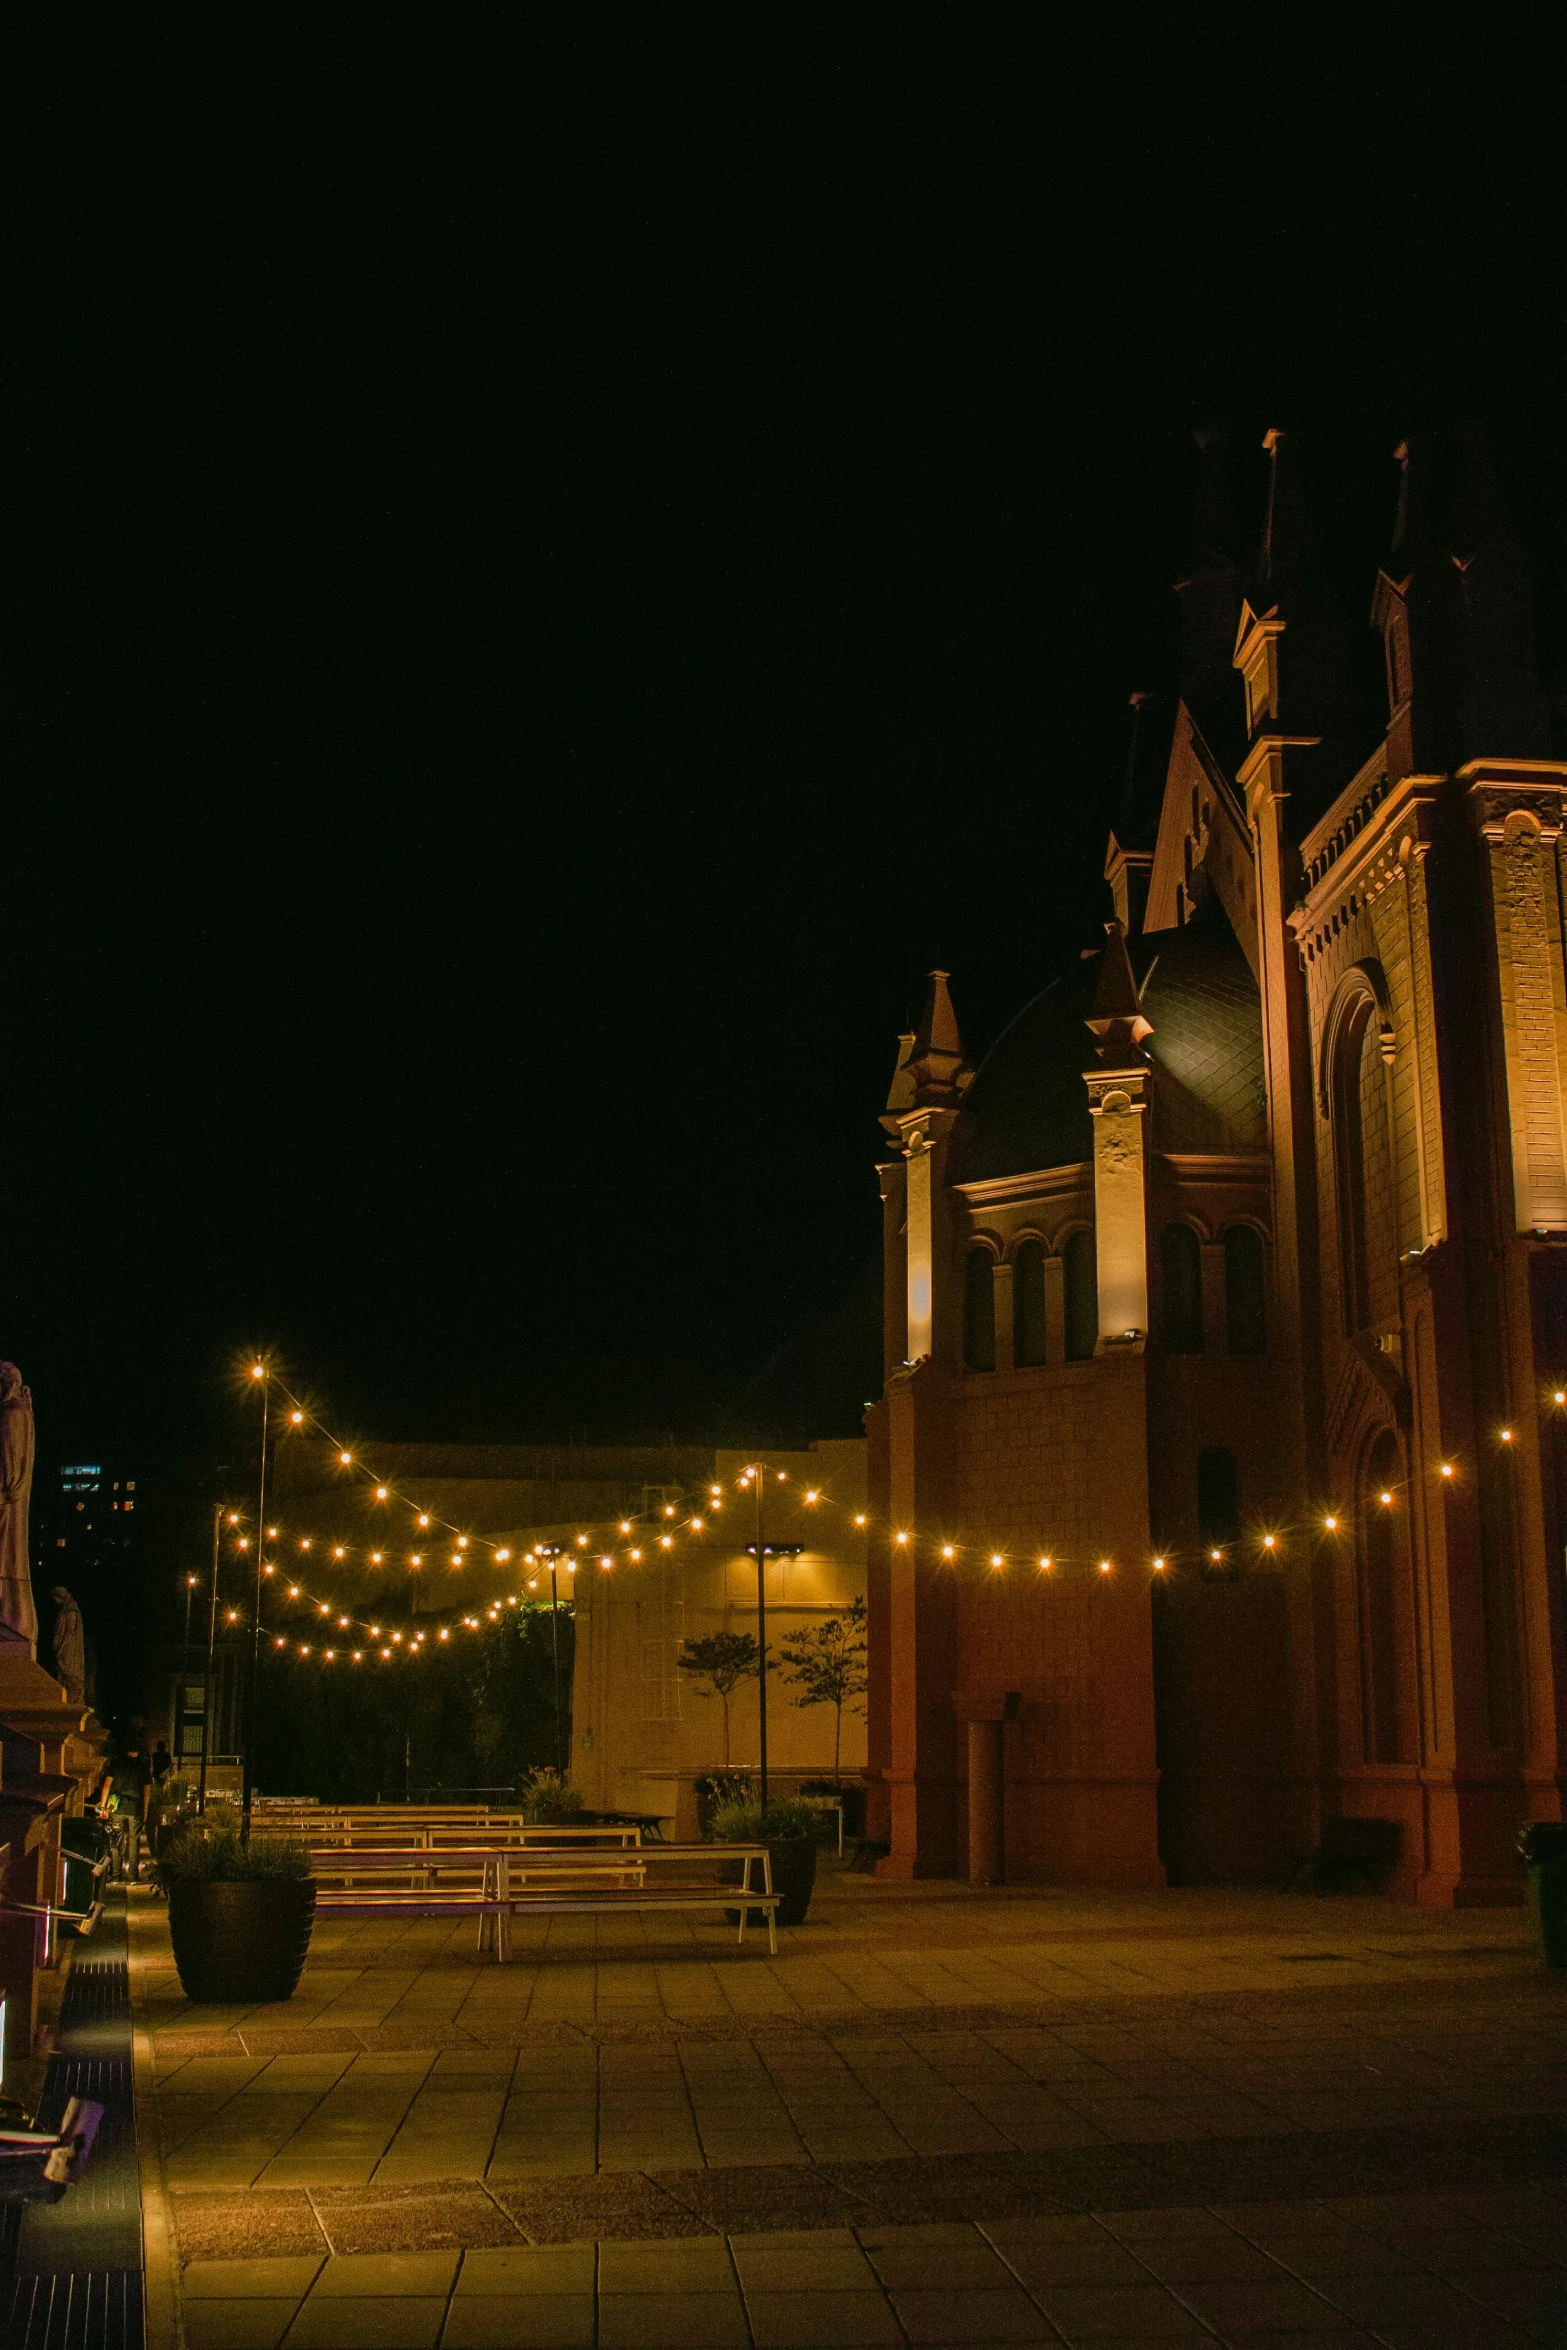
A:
238,1945
793,1861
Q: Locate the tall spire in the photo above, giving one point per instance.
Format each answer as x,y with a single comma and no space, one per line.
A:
1454,603
1211,594
1289,539
1135,833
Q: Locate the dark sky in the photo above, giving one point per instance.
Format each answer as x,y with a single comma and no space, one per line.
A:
559,559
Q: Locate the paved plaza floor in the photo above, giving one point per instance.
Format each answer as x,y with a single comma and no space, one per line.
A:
939,2116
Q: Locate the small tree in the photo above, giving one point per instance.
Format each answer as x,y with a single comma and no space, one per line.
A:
827,1664
723,1660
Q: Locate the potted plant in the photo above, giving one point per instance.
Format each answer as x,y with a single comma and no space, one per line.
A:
240,1912
789,1831
547,1799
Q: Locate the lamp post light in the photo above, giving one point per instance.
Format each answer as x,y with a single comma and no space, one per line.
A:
212,1641
551,1551
758,1469
260,1373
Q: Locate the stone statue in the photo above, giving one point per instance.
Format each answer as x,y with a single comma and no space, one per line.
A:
18,1616
70,1648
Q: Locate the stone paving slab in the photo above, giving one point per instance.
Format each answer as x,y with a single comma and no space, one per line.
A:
936,2117
1307,2272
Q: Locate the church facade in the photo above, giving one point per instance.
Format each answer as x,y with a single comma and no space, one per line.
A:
1218,1476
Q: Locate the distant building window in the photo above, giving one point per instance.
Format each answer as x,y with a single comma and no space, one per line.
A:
979,1311
1180,1257
1080,1264
1218,1509
1245,1291
1028,1303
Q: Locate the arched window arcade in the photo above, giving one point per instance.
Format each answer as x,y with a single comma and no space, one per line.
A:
1029,1338
979,1311
1180,1264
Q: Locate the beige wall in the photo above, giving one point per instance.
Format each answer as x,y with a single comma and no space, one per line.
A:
642,1731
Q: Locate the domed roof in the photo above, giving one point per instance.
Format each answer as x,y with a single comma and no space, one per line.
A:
1027,1108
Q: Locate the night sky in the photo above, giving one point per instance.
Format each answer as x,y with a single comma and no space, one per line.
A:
559,560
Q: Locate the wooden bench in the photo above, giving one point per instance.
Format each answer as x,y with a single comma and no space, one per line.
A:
556,1884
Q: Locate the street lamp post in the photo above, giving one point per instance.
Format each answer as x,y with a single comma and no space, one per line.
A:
212,1642
759,1472
261,1373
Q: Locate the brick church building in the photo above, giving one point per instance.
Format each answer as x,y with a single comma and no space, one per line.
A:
1221,1462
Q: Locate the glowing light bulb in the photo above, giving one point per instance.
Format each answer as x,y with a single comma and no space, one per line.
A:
342,1623
424,1517
607,1563
233,1517
625,1525
1447,1468
462,1541
323,1609
696,1525
380,1493
636,1558
445,1635
783,1476
669,1509
947,1551
304,1542
340,1552
293,1591
258,1370
501,1556
272,1534
1216,1556
280,1642
359,1656
375,1631
859,1521
715,1491
329,1654
298,1419
812,1494
1507,1436
233,1615
1331,1524
416,1558
1158,1566
996,1559
385,1653
582,1542
376,1557
900,1537
243,1543
666,1542
269,1568
1269,1542
396,1637
1386,1499
304,1652
1045,1564
346,1458
1560,1396
1104,1566
533,1583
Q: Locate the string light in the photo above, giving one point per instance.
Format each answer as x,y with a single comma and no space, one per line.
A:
947,1551
1507,1436
1104,1566
1158,1566
996,1559
1447,1468
1331,1524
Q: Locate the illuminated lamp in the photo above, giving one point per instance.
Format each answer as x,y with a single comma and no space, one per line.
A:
346,1459
1104,1566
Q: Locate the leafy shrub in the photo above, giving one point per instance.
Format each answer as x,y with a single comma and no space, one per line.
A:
548,1798
747,1823
212,1852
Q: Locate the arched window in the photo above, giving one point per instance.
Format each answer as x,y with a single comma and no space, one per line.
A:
1181,1261
1363,1164
1245,1292
1218,1509
1028,1303
1081,1267
979,1311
